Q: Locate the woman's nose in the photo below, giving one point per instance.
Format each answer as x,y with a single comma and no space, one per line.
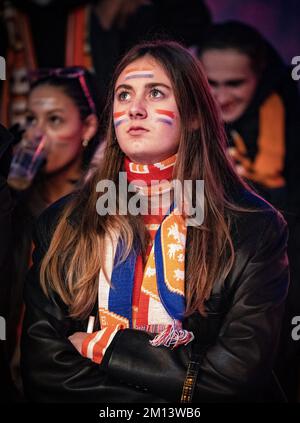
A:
34,134
222,96
138,110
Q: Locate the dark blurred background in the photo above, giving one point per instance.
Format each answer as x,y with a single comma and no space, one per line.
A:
277,20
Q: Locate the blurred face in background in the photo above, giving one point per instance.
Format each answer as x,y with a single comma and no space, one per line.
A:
54,114
232,80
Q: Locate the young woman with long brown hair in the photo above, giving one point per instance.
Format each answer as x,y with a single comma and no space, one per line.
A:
183,311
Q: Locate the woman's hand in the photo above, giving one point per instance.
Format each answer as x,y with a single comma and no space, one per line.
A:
77,340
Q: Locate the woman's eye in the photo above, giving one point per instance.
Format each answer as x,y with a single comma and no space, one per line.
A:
123,96
30,120
155,93
55,120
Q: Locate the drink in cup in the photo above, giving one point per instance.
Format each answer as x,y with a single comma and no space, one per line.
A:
28,158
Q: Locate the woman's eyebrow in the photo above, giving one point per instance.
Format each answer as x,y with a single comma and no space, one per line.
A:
156,84
57,109
124,86
149,85
48,112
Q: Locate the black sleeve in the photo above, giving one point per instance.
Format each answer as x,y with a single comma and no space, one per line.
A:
51,366
240,362
52,369
132,370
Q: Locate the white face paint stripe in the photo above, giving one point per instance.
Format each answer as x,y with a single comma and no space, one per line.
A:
120,120
139,74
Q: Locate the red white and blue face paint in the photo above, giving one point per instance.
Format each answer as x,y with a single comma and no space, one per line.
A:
146,116
165,116
119,118
134,73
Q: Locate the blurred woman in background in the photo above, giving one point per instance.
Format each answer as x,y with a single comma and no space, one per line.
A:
257,97
62,110
259,104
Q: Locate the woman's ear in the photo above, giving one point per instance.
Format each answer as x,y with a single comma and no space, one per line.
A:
90,127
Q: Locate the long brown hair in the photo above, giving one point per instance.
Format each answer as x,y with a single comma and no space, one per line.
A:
76,253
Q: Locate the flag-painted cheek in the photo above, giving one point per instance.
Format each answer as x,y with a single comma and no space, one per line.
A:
165,116
119,118
138,73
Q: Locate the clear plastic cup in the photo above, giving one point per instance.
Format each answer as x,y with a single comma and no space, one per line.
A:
28,158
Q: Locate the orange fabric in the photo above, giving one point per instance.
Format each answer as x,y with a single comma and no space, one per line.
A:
269,162
86,342
20,56
77,47
101,346
21,53
111,319
96,350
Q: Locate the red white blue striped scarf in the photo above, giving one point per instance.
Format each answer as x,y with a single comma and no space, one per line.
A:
160,305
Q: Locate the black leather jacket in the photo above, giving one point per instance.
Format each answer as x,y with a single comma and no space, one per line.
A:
236,343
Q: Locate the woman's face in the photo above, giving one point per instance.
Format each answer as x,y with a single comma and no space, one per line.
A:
53,114
146,117
232,80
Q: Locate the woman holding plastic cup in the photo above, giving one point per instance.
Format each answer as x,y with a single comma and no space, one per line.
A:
61,133
61,136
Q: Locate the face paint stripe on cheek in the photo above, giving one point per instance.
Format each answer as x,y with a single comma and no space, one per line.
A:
165,116
164,120
119,118
118,114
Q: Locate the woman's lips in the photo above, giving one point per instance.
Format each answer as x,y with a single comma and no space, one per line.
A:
227,108
137,130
